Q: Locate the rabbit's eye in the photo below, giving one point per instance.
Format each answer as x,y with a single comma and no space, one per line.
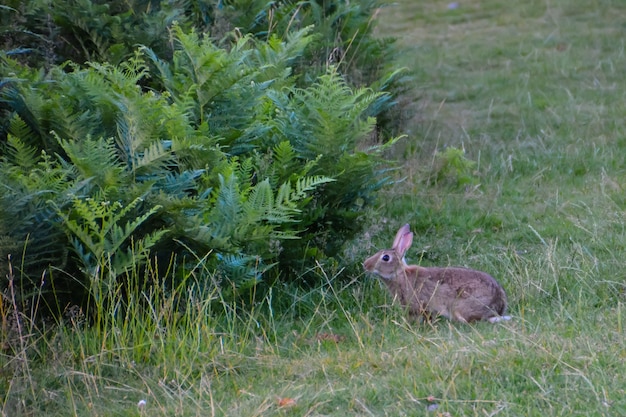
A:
386,258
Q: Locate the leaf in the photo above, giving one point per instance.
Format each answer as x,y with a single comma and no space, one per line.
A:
286,402
21,154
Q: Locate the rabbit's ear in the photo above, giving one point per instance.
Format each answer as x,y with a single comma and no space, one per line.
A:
401,232
403,240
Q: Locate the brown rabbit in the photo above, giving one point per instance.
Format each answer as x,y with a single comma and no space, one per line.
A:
459,294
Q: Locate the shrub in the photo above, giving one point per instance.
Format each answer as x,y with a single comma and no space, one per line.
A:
212,155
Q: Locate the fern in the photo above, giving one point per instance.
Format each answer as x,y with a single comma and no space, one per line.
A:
238,141
287,165
26,109
240,273
205,81
95,159
29,181
339,112
199,72
18,152
103,239
247,219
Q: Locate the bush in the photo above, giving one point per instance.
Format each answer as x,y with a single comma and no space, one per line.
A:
203,154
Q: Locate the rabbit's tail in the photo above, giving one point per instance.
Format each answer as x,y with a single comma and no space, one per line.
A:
496,319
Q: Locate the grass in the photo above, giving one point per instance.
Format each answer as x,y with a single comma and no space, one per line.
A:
533,92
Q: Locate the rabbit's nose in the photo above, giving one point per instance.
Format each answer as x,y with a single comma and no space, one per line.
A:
370,263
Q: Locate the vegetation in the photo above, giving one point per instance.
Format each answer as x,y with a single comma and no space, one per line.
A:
514,164
186,148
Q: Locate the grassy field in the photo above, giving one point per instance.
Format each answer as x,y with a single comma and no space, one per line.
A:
534,93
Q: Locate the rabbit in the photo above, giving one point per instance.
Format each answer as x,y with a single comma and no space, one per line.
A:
460,294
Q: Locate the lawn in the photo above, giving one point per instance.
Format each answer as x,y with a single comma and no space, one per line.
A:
533,94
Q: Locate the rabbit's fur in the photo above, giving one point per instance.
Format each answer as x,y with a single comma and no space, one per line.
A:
459,294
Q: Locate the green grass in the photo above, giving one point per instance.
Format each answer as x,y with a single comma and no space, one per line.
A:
534,92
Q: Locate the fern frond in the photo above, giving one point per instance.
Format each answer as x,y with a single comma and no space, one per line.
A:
306,184
95,158
20,130
242,271
102,237
178,185
161,65
261,207
260,200
155,157
245,171
286,160
119,233
226,214
21,155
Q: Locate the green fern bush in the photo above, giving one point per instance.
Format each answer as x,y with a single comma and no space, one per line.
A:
46,33
210,156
